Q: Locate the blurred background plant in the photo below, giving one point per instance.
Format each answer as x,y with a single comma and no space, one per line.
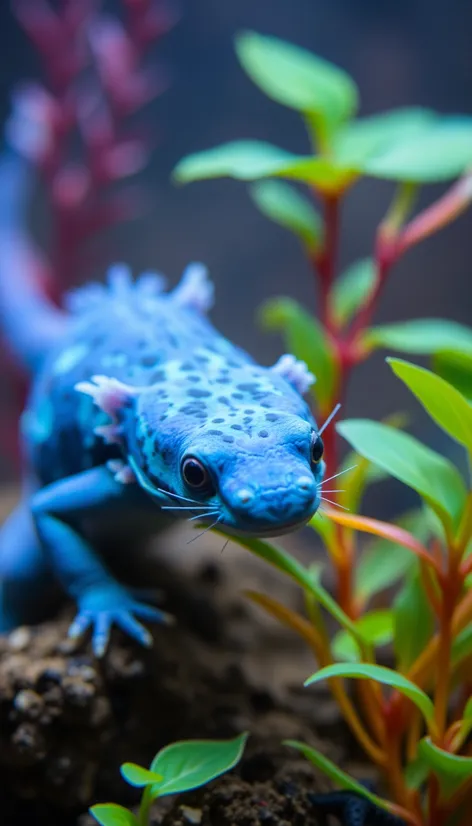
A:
412,147
77,127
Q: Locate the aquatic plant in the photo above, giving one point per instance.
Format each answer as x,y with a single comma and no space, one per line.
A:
76,129
177,768
414,719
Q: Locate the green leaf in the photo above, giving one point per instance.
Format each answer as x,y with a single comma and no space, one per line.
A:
380,674
384,563
284,562
337,775
423,336
456,368
286,206
246,160
411,610
351,290
359,140
138,776
324,528
189,764
305,338
451,769
438,153
376,628
110,814
249,160
297,78
414,464
444,403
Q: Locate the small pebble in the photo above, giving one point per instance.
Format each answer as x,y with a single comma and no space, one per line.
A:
190,815
19,639
29,703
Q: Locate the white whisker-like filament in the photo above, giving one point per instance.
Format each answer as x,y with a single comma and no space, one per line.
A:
336,504
205,531
340,473
177,496
225,545
202,516
332,490
184,507
329,419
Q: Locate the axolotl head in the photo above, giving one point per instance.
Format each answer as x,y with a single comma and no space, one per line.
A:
234,444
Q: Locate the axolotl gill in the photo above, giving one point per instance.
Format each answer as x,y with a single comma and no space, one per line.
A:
139,412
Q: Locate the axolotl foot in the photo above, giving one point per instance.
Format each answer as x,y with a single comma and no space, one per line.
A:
101,607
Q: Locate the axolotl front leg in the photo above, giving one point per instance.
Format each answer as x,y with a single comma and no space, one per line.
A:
58,511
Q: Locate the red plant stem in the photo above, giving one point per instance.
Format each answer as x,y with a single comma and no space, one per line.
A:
386,254
326,261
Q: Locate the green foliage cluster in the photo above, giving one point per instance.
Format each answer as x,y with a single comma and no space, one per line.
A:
410,587
177,768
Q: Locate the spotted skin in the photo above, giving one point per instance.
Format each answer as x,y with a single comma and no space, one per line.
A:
128,386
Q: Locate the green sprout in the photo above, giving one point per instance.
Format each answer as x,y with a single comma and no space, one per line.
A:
177,768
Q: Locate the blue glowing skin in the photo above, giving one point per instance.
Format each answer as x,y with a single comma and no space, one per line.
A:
140,412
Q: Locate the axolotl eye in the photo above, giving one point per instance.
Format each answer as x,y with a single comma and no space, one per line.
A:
196,476
317,449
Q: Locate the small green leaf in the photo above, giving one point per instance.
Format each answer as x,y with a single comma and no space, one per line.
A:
335,774
137,776
380,674
361,139
351,290
455,368
110,814
297,78
249,160
404,457
189,764
424,336
286,206
376,628
438,153
384,563
305,338
246,160
444,403
451,769
411,609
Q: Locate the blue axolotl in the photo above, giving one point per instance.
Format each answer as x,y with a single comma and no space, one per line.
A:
139,412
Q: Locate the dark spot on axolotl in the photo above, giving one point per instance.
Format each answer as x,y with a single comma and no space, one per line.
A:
263,434
158,375
148,361
197,393
271,417
237,395
236,427
228,439
248,387
215,432
187,366
218,421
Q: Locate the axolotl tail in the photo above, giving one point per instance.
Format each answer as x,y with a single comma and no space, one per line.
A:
29,321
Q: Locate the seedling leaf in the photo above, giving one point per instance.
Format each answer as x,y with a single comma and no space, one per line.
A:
110,814
189,764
